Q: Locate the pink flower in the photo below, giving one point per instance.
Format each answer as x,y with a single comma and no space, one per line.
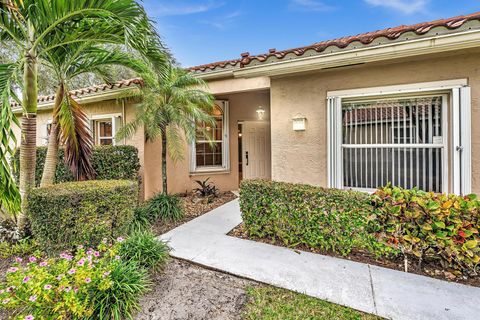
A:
81,262
2,291
5,301
66,256
18,259
117,257
29,317
75,290
72,271
26,279
88,280
106,274
90,251
12,269
96,254
33,298
67,289
59,277
32,259
10,289
43,264
80,247
120,239
47,287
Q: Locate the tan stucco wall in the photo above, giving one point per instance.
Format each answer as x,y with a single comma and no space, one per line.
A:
242,106
302,156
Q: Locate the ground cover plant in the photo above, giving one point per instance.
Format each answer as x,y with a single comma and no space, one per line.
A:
269,303
410,230
102,283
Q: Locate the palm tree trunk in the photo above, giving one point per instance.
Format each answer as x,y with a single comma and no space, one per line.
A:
164,160
28,148
51,158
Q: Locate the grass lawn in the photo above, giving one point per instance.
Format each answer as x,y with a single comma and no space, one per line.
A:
269,303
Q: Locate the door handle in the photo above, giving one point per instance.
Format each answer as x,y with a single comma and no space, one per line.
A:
246,157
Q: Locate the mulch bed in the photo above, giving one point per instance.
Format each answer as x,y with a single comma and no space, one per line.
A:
428,269
194,206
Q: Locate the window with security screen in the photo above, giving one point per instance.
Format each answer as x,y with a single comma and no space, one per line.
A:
394,140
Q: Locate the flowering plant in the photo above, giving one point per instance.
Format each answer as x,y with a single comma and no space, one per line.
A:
60,287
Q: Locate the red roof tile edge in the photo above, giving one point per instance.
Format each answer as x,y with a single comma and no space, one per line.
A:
93,89
364,38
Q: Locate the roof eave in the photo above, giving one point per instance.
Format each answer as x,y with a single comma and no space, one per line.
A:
426,45
91,98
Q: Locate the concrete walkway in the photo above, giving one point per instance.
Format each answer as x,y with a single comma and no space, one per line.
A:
387,293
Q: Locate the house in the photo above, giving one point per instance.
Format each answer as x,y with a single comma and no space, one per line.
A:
397,105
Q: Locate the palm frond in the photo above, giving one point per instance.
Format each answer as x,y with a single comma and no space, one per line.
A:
76,136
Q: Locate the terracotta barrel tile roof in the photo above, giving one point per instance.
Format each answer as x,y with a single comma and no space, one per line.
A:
364,38
92,90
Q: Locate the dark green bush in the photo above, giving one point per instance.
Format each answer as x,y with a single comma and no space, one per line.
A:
145,249
76,213
429,226
166,207
326,219
109,162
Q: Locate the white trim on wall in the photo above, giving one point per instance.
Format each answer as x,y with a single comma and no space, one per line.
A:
225,167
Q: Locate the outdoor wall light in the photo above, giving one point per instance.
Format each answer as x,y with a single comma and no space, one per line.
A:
299,123
260,113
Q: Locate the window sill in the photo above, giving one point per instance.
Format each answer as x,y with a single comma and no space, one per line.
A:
213,171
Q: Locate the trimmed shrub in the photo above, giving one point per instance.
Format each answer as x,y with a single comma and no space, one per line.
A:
145,249
109,163
295,214
90,284
70,214
428,226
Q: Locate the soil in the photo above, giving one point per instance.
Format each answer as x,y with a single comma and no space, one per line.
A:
427,269
194,206
187,291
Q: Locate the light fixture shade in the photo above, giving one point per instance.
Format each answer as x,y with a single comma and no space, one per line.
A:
299,123
260,113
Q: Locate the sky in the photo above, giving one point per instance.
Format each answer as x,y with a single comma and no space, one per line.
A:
204,31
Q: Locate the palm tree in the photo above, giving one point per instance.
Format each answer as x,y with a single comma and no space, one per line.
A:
37,27
69,125
169,111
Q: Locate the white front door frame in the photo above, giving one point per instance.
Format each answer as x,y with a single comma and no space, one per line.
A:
256,154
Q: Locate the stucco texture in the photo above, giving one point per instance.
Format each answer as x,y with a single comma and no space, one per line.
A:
302,156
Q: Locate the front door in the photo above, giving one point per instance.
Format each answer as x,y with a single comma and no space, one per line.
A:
256,150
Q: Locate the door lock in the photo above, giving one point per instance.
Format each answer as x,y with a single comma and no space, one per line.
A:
246,157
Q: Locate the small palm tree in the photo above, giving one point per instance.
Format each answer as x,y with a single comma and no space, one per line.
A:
36,28
170,110
69,122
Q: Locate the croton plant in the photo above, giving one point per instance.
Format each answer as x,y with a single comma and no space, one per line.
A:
431,226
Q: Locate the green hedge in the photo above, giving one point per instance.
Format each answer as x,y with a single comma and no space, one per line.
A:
76,213
420,226
295,214
109,162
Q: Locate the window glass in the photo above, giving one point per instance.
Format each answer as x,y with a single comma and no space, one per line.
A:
209,142
398,141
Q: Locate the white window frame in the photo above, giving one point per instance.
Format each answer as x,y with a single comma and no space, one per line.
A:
225,167
105,117
458,170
